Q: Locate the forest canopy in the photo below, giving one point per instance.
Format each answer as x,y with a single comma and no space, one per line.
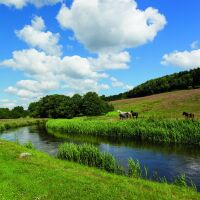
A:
61,106
177,81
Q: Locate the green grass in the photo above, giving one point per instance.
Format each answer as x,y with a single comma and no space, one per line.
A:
42,177
164,105
14,123
151,130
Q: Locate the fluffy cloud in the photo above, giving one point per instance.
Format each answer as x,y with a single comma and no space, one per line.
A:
111,61
35,36
111,25
184,59
7,103
37,63
194,45
21,3
76,73
86,85
28,89
49,72
116,83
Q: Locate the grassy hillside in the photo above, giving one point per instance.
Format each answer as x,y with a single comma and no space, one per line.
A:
166,105
42,177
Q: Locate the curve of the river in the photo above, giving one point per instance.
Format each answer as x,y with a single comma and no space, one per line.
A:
168,160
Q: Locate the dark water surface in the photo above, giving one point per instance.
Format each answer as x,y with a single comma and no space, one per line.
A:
167,160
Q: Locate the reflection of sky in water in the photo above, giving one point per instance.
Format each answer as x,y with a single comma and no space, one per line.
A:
167,162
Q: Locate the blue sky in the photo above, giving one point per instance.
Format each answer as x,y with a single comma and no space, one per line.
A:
69,47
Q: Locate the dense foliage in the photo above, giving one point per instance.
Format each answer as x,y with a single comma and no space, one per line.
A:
159,131
178,81
61,106
15,113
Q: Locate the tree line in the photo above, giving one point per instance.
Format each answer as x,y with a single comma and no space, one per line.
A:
177,81
16,112
61,106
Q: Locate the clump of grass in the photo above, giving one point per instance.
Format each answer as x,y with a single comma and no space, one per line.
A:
88,155
181,180
151,130
134,168
29,145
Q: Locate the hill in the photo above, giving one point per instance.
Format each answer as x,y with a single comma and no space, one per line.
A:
166,105
177,81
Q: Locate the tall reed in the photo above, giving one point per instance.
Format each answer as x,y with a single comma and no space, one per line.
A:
151,130
88,155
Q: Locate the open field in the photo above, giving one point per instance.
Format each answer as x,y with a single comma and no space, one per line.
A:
42,177
165,105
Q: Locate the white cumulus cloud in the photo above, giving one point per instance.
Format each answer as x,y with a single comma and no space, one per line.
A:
194,45
48,72
119,84
111,61
22,3
184,59
36,36
111,25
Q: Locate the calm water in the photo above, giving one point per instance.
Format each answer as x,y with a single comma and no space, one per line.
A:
168,160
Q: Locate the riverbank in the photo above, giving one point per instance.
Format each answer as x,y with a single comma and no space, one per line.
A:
42,177
15,123
177,131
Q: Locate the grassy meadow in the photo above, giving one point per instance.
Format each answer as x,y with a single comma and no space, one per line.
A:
164,105
42,177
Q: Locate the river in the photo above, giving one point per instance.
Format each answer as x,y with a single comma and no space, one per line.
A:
168,160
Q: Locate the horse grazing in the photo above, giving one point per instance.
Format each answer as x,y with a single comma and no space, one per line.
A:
134,114
188,115
124,115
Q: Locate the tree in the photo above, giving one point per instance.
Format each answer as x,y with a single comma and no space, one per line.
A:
18,112
93,105
33,109
77,104
5,113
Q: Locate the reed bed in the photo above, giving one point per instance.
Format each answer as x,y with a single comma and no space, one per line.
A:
151,130
89,155
14,123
